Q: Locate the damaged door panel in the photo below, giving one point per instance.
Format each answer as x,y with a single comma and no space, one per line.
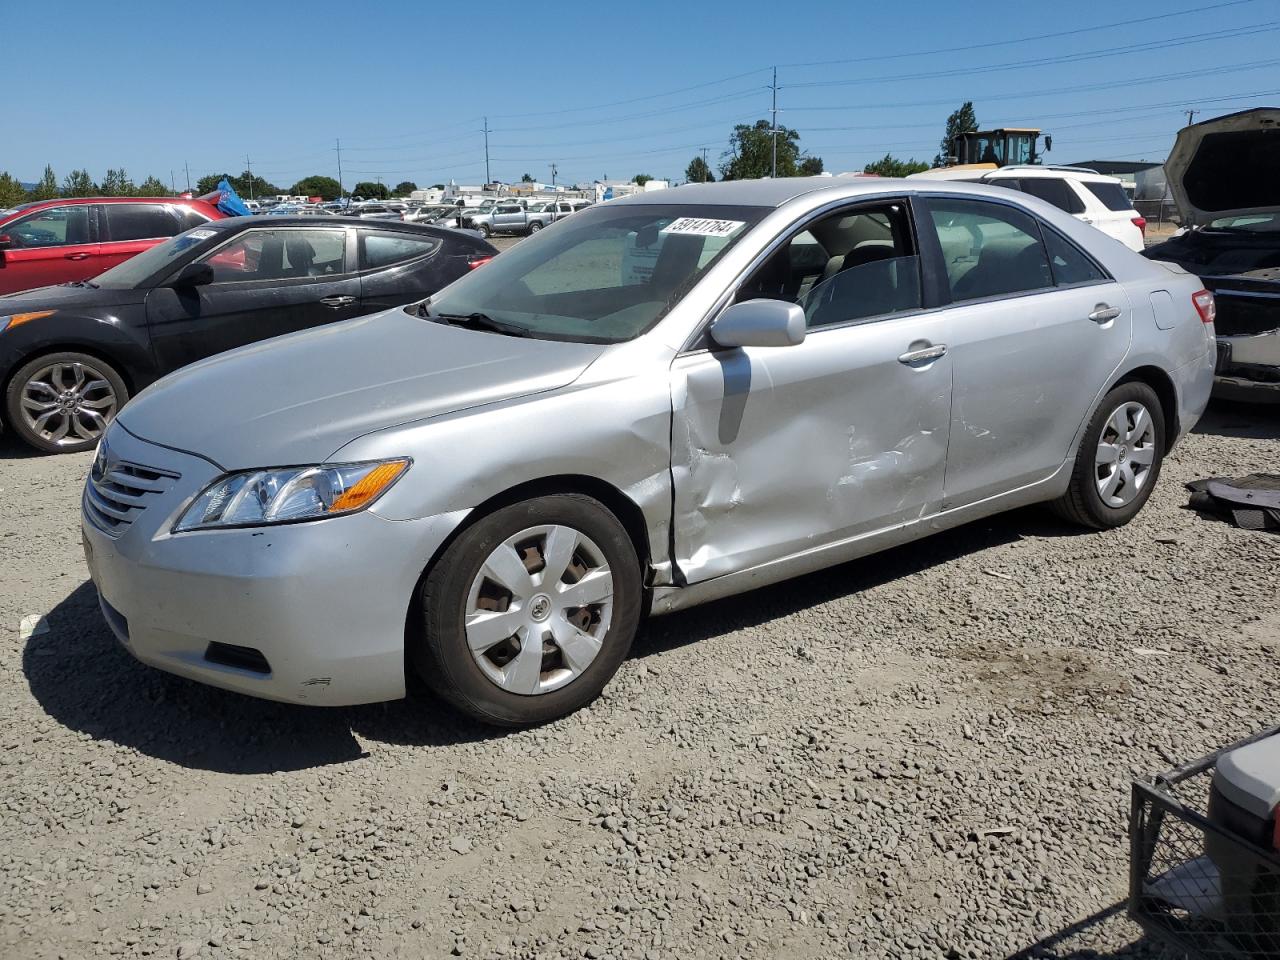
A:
777,450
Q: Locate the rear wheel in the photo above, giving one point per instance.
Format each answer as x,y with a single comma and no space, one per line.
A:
486,230
63,402
531,611
535,227
1119,459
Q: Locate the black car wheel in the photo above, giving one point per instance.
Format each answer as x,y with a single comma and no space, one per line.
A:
530,611
63,402
1119,459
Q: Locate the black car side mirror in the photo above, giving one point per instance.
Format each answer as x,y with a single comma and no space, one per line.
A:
194,275
6,241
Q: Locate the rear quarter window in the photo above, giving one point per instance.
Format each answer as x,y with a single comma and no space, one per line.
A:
1112,195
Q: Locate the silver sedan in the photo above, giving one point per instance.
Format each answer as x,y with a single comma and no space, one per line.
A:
659,401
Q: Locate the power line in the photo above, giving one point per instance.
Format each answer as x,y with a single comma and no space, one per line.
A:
1004,43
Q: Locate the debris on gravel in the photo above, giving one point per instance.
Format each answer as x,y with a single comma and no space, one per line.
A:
922,754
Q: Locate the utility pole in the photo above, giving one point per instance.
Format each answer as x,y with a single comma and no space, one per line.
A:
249,168
173,181
338,146
705,168
774,131
487,180
186,166
1191,114
553,178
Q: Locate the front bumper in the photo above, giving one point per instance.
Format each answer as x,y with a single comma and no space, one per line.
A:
1248,367
325,602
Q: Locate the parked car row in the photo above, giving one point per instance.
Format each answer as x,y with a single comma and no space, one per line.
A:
520,217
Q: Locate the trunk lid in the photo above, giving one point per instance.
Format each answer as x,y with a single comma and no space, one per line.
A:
1226,167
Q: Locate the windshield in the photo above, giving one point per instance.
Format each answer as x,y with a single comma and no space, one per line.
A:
128,275
1252,223
605,275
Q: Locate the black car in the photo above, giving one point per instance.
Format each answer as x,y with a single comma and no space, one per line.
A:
71,355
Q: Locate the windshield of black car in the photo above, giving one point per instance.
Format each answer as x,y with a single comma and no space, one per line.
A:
131,273
1249,223
604,275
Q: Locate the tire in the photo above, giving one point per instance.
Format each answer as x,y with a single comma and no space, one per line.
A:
63,402
1087,501
485,230
471,583
534,227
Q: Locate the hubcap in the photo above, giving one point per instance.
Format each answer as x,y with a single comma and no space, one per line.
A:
67,403
1126,452
539,609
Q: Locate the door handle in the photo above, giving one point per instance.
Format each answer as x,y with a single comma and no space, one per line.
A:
923,355
336,302
75,256
1104,313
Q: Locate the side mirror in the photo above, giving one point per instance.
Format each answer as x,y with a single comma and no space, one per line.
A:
194,275
6,241
759,323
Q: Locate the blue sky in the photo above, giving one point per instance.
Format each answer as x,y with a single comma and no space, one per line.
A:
598,89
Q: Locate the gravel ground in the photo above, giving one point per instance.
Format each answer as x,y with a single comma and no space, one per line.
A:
921,754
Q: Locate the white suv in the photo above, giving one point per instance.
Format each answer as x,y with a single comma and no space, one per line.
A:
1081,192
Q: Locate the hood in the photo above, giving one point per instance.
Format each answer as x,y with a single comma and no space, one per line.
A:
65,296
1227,166
298,398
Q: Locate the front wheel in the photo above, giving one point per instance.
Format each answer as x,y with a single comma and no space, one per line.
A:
486,230
63,402
530,611
534,227
1119,459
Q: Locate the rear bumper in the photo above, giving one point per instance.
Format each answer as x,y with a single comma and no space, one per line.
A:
1248,367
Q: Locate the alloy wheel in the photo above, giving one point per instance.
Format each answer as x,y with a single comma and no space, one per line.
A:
68,403
539,609
1126,451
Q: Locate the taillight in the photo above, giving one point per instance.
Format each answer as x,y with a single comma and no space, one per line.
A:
1140,223
478,262
1205,306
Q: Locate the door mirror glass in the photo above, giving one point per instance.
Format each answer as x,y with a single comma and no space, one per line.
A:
760,323
194,275
5,241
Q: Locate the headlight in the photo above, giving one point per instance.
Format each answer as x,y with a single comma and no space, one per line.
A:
252,498
13,319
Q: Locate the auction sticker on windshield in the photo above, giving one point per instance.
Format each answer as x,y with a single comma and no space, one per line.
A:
702,227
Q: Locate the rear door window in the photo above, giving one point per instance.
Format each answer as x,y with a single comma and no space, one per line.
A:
379,250
141,221
1112,195
1053,190
990,249
1071,265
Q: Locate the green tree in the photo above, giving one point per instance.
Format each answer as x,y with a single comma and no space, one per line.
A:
153,187
405,187
809,166
47,188
750,153
963,120
11,191
326,188
371,190
78,183
526,178
698,171
640,179
117,184
891,166
252,186
437,186
209,183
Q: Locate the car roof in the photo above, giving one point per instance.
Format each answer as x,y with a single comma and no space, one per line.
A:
761,193
319,223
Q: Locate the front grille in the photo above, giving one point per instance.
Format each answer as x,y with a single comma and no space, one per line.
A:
1240,314
118,492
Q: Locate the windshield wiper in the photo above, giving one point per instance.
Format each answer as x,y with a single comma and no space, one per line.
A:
479,321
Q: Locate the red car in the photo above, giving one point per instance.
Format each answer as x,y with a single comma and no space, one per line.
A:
58,241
